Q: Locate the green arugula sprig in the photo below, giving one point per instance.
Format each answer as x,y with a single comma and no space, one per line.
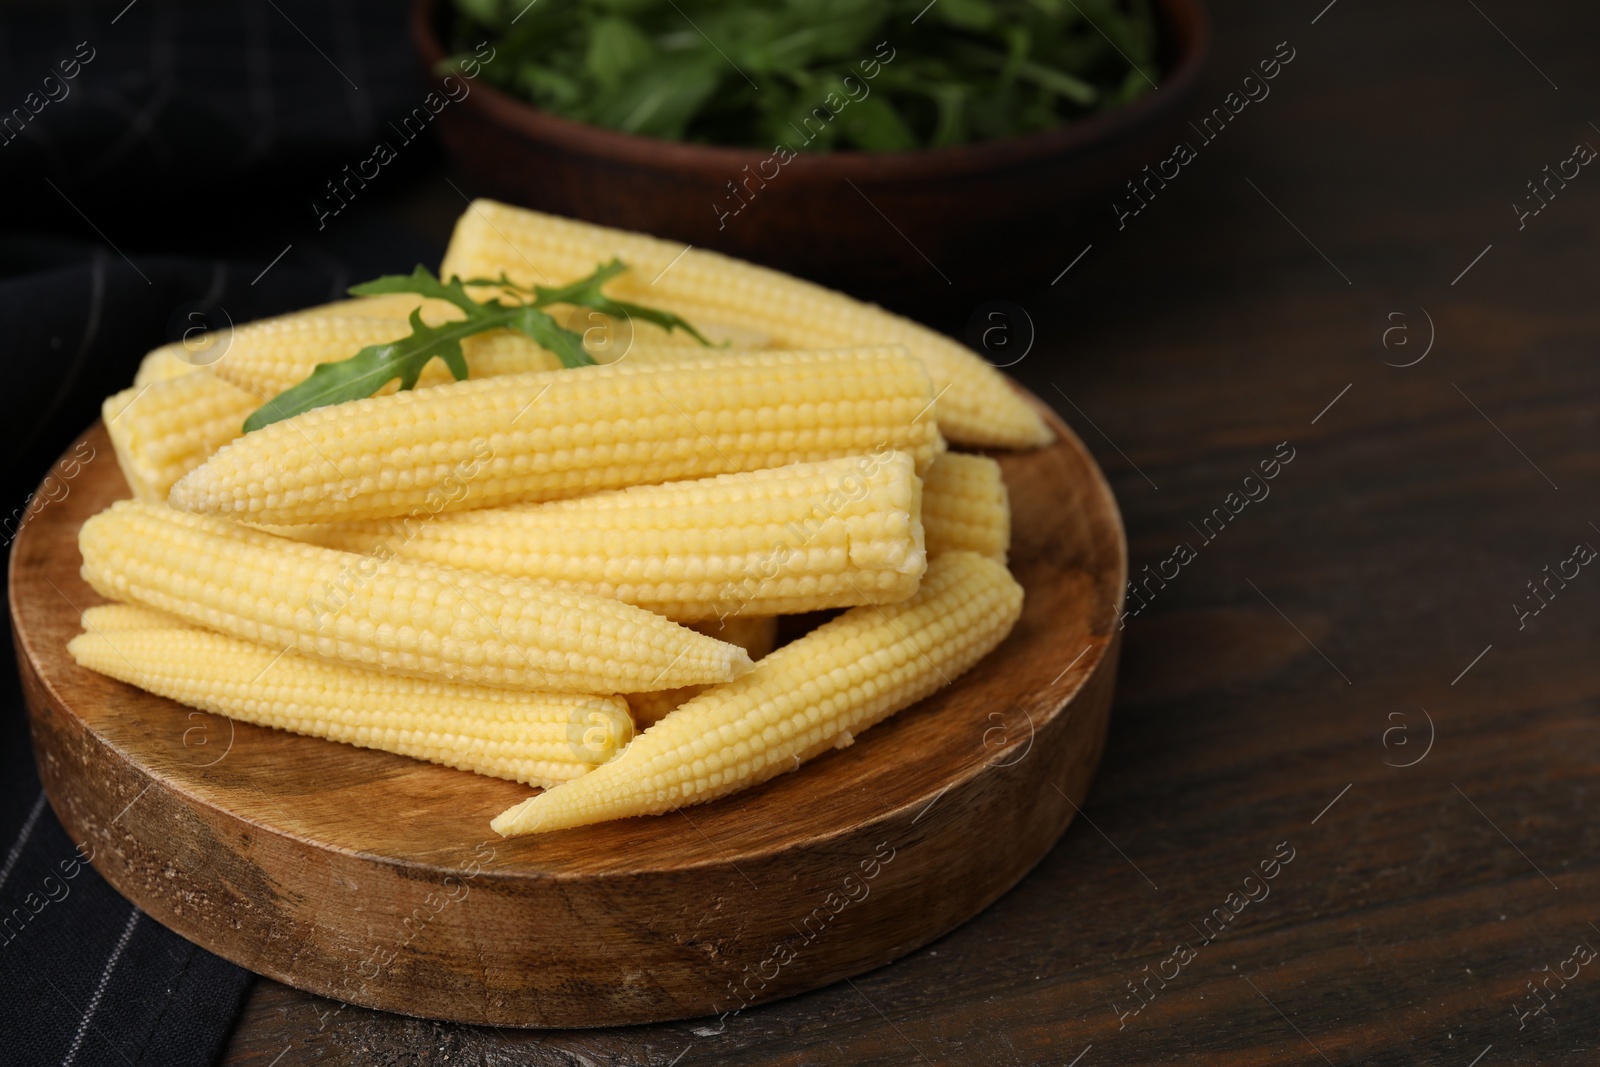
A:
813,75
585,292
377,365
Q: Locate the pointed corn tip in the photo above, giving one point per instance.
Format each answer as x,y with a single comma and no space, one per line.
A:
1045,435
183,495
1033,431
523,818
739,661
505,824
198,491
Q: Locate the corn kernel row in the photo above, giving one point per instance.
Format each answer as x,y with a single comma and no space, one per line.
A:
813,694
413,618
167,427
976,405
780,541
535,738
965,506
268,357
546,436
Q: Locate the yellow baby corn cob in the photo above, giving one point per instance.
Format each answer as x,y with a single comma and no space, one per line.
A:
171,361
269,356
202,350
382,306
976,405
815,693
658,350
413,618
176,416
654,351
274,354
780,541
650,708
965,506
753,633
114,618
168,427
535,437
608,339
495,353
535,738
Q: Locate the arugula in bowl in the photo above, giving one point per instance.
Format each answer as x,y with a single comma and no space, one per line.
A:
818,75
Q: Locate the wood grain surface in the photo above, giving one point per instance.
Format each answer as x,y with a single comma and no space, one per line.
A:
1406,929
376,879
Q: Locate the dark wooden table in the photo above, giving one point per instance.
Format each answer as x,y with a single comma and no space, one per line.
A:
1361,617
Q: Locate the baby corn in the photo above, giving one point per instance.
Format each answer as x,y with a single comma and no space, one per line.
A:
609,340
166,428
813,694
412,618
535,738
203,349
754,634
383,306
976,405
176,416
495,353
965,506
790,539
536,437
169,361
267,357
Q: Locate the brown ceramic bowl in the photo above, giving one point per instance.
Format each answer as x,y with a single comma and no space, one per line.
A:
888,225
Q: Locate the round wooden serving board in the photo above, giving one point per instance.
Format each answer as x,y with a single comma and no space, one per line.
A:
375,879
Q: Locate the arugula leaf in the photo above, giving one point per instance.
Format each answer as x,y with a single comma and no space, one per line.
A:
485,11
377,365
968,14
422,282
959,70
951,99
586,293
372,368
659,98
546,333
567,294
875,125
549,88
616,47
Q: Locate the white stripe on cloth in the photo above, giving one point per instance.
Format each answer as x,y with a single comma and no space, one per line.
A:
22,839
100,990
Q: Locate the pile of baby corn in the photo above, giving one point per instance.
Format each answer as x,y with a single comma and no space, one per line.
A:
567,577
